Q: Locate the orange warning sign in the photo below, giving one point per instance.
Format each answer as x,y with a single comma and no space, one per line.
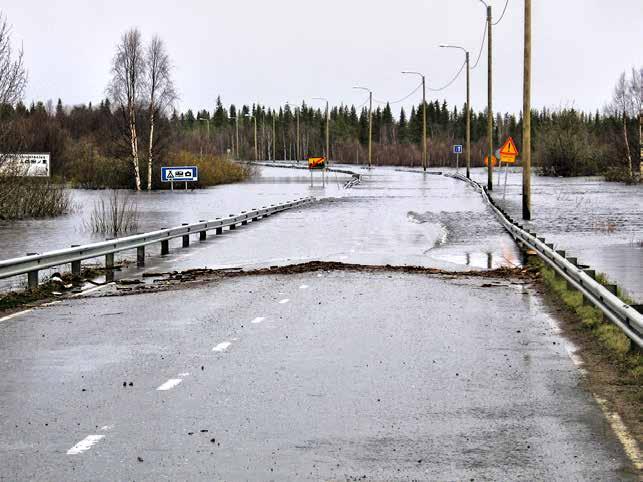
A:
509,148
494,161
316,163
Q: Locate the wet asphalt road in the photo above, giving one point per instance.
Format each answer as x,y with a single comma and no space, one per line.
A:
315,376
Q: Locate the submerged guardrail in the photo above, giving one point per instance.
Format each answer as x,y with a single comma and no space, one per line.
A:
32,263
581,278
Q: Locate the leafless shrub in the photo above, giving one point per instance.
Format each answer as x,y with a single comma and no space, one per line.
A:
114,213
22,198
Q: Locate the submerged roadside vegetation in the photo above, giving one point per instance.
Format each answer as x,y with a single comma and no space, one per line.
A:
119,144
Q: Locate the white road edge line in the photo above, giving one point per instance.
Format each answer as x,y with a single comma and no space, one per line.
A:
258,319
91,290
170,384
223,346
85,444
284,301
13,315
303,287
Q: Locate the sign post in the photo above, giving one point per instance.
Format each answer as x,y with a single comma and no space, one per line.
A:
179,173
314,164
457,150
508,154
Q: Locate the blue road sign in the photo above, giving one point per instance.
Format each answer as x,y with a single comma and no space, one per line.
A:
179,173
457,149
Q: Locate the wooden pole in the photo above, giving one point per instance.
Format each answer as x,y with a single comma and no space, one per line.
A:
489,103
424,158
526,119
468,114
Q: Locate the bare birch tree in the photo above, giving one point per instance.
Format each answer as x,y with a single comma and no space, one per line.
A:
13,80
636,94
160,91
128,70
620,107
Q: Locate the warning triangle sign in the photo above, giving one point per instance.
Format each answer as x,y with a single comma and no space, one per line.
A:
509,148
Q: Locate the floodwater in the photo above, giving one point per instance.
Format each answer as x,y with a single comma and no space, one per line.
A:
601,223
391,217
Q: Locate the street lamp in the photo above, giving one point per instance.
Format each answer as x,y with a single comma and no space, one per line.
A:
327,128
424,156
236,121
489,103
297,154
208,121
468,107
370,121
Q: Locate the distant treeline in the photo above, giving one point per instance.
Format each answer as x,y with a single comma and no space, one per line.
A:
89,144
89,148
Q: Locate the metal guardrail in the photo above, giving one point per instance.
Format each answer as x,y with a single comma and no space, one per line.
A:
616,310
32,263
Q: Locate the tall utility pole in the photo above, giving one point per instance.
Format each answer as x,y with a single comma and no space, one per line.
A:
489,102
526,119
424,151
256,149
370,123
206,146
236,121
327,128
297,115
467,106
297,154
274,136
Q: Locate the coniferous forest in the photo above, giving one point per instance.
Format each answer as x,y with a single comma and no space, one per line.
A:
89,148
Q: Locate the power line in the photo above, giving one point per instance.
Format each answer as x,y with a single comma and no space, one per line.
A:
363,103
484,39
503,13
451,81
399,100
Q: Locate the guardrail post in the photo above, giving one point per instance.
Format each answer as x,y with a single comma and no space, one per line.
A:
186,238
75,265
32,280
219,230
233,225
202,234
140,256
165,247
245,221
612,289
32,277
109,267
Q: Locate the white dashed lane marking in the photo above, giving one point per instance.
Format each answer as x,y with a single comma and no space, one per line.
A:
170,384
284,301
85,444
223,346
258,320
303,287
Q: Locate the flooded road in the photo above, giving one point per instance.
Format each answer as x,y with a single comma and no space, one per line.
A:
391,217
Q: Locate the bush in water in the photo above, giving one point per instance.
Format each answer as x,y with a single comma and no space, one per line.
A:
25,197
114,213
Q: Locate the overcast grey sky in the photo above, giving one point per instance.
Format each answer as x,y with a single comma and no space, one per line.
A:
292,50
